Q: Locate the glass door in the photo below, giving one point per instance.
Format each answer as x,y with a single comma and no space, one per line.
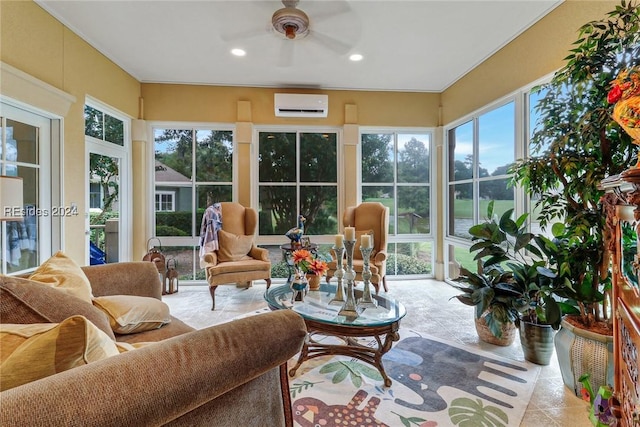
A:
25,152
104,208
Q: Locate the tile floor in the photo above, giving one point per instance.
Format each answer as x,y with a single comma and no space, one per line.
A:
429,310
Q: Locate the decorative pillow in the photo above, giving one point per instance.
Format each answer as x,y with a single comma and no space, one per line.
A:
356,250
233,247
31,352
129,314
61,272
25,301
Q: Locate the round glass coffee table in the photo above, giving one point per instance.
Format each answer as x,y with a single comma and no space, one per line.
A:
322,318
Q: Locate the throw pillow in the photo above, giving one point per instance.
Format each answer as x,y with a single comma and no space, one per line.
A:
129,314
356,250
233,247
31,352
61,272
26,301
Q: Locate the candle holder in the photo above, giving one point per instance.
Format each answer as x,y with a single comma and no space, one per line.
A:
366,300
338,299
349,309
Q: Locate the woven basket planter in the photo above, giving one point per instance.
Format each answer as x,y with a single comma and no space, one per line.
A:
509,333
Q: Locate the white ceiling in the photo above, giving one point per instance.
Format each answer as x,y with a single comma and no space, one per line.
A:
418,45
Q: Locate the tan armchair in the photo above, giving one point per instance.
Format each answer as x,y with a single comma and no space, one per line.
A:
238,259
367,218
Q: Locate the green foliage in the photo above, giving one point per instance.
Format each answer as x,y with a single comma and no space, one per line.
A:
465,412
344,369
167,230
406,265
180,220
279,270
575,145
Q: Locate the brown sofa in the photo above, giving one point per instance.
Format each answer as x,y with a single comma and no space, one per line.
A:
226,375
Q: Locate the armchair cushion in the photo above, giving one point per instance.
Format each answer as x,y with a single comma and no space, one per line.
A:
63,273
233,247
129,314
34,351
25,301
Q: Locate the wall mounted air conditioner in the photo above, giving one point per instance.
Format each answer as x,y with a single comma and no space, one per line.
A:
301,105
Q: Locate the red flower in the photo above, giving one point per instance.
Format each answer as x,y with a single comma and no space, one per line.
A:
318,267
585,395
614,94
301,255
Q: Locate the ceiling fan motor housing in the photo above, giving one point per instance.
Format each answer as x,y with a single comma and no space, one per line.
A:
291,22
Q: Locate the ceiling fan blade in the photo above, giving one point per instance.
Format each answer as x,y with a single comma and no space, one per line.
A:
285,57
245,35
329,42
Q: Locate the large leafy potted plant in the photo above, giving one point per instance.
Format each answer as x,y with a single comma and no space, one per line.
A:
574,146
525,285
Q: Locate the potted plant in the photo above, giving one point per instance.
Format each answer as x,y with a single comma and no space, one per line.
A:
313,267
526,285
574,146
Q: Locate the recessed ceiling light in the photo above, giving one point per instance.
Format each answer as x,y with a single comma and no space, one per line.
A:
356,57
238,52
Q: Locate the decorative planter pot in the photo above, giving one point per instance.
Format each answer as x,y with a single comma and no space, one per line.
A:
508,333
537,342
314,282
584,352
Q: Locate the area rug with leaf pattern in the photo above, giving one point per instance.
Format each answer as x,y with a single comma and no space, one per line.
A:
435,383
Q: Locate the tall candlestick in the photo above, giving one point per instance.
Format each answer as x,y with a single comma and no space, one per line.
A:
365,241
339,241
350,233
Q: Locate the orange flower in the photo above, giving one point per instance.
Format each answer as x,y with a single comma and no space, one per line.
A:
302,255
318,267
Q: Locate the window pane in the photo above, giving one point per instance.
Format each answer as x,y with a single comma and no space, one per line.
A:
277,157
182,259
208,195
24,146
413,158
461,152
496,140
319,205
460,209
278,209
460,257
497,191
318,155
173,155
22,236
409,258
93,122
413,210
383,194
179,222
377,158
114,130
214,156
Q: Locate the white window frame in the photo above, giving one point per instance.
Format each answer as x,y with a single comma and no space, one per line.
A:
160,202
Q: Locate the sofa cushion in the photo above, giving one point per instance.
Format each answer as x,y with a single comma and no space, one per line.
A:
129,314
233,247
31,352
63,273
26,301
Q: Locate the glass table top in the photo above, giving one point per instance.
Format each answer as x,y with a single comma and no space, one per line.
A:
316,306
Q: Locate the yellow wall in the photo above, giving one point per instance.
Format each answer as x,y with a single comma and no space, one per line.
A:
38,44
536,53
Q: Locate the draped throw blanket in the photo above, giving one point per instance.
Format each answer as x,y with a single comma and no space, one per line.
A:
211,223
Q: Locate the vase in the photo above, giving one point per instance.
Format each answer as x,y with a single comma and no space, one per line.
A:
508,333
537,342
314,282
581,352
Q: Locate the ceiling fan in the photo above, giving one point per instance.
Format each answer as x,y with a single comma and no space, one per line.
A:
292,24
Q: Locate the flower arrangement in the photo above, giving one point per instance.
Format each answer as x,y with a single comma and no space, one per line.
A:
304,261
602,404
625,94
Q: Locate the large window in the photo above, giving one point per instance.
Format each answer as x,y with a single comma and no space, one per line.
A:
297,175
193,169
396,171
